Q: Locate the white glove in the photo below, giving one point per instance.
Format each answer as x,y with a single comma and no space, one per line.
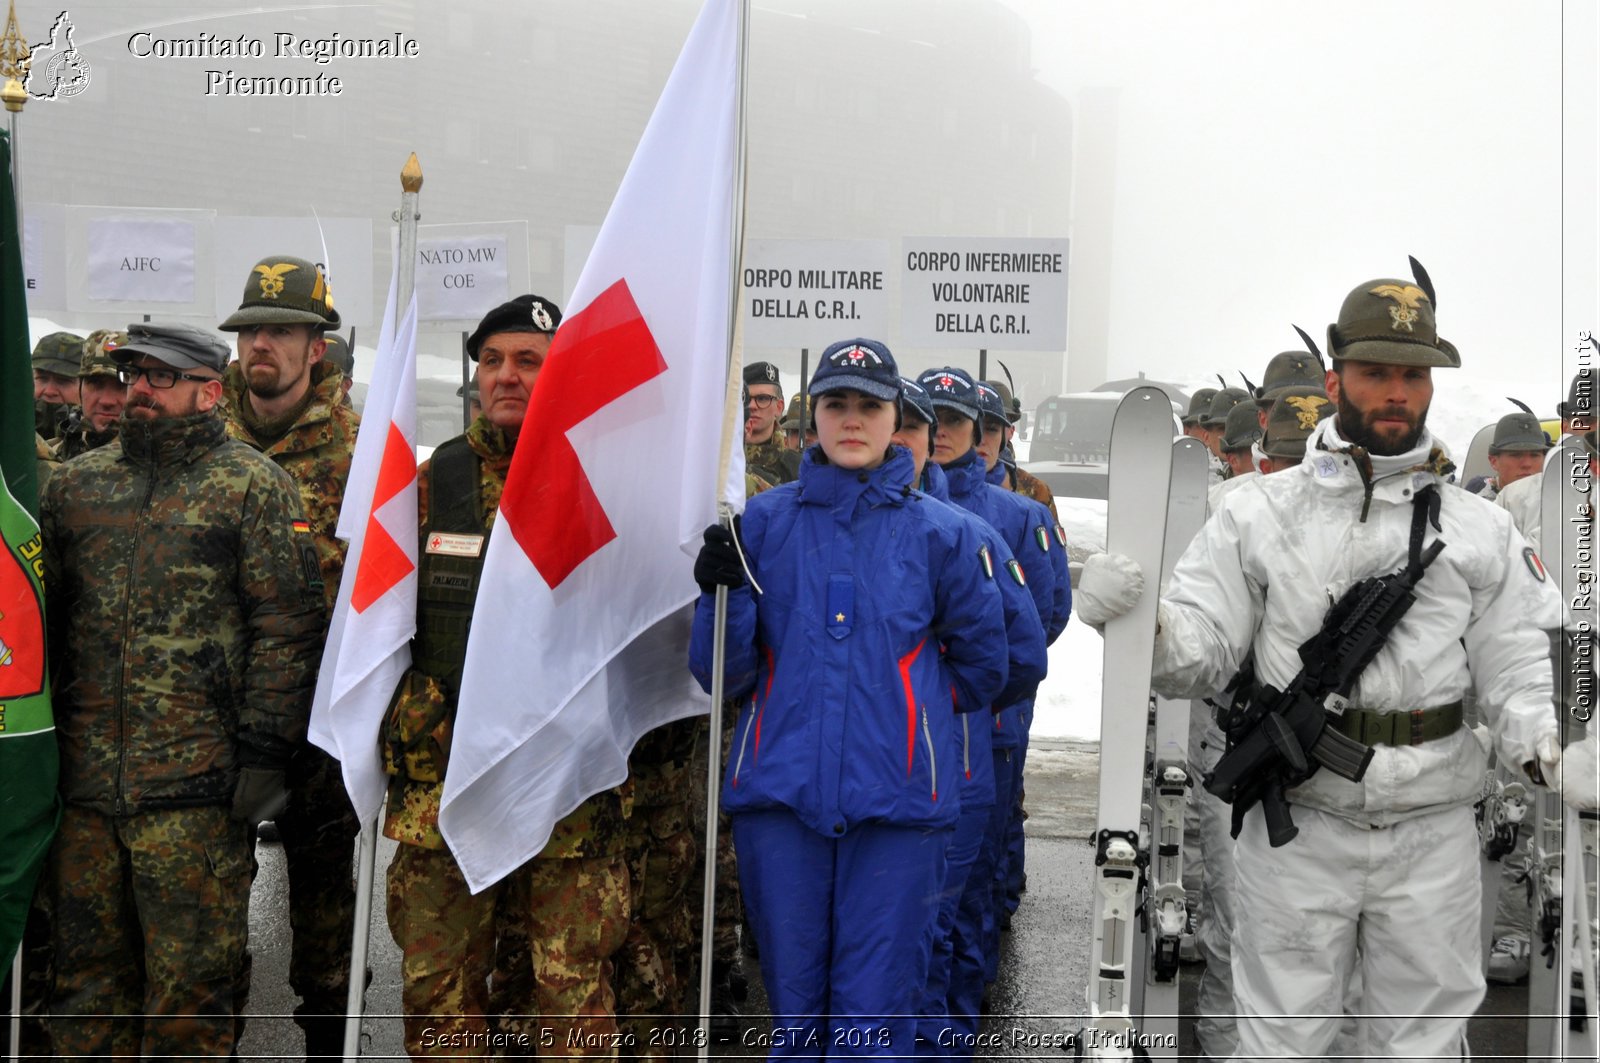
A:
1580,775
1108,587
1547,751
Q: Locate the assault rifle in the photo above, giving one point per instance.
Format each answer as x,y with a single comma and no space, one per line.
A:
1278,739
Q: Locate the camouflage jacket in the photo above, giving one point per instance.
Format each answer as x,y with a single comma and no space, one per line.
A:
316,454
771,462
186,616
82,441
594,828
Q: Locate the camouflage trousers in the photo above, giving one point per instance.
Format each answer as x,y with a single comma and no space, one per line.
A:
319,830
729,908
576,915
662,946
38,972
152,913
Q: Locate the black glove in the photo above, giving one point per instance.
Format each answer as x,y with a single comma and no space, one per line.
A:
260,794
718,564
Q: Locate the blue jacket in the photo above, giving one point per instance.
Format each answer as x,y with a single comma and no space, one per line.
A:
877,623
1026,656
1056,547
1019,524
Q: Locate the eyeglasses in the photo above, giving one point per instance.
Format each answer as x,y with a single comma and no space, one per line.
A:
763,402
159,378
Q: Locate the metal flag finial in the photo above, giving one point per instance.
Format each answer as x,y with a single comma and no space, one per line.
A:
14,55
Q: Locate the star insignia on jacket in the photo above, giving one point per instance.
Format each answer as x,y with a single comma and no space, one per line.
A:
1306,407
838,618
1406,297
272,278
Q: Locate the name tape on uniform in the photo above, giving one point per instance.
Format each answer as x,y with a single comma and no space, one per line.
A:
455,545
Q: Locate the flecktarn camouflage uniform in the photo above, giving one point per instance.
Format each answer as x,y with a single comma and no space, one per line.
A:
578,901
314,445
185,615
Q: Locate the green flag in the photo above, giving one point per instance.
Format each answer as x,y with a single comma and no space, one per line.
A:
29,807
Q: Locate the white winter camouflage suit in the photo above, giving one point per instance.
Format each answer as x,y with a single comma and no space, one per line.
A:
1387,865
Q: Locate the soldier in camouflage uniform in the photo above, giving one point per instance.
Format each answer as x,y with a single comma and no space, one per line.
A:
798,431
578,903
102,396
653,967
339,356
185,615
284,400
658,967
764,452
55,381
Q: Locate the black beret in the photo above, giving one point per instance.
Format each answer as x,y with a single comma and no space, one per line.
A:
525,313
762,373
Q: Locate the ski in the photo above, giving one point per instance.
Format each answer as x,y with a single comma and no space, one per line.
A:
1136,511
1476,463
1167,781
1559,998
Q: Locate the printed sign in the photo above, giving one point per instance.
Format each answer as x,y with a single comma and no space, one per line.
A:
459,277
972,293
143,260
44,260
808,293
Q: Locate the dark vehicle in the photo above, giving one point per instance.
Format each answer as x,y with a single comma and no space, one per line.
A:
1073,428
1072,441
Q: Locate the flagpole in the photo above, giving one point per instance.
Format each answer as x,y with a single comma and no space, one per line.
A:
13,53
366,862
13,63
725,515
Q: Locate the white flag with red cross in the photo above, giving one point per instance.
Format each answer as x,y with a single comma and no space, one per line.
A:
579,640
369,639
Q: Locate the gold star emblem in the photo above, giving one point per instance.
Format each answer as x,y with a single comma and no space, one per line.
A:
838,618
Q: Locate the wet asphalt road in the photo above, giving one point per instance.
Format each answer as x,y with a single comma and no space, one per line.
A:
1036,1004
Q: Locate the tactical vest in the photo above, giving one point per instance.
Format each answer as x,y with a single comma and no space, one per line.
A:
447,583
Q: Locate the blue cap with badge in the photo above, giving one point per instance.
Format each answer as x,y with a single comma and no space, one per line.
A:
857,365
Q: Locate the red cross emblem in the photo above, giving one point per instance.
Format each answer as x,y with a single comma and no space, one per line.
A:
599,354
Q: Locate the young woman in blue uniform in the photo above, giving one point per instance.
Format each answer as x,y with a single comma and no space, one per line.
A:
877,620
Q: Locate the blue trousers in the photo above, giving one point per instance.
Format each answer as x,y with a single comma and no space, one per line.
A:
994,844
1016,867
842,924
950,932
